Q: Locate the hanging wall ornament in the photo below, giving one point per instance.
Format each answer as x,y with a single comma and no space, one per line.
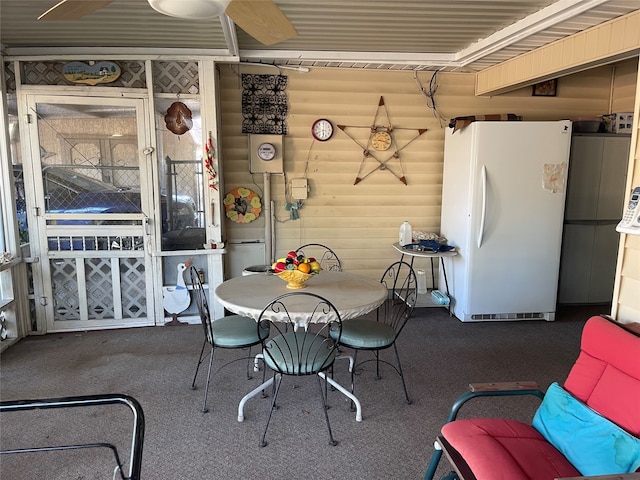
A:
264,104
210,163
178,118
380,144
242,205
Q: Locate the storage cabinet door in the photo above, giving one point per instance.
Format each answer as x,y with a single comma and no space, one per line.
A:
585,166
613,177
603,267
575,263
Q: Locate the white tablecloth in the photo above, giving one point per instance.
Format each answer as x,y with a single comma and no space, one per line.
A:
352,295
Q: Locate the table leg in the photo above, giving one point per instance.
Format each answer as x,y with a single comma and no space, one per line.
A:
446,284
249,395
346,392
433,275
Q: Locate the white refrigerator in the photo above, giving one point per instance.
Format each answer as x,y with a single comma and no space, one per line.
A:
503,198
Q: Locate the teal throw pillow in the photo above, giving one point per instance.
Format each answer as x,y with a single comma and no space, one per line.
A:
593,444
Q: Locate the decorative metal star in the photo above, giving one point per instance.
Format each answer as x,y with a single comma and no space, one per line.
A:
381,138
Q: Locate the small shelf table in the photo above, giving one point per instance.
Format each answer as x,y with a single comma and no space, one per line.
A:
425,300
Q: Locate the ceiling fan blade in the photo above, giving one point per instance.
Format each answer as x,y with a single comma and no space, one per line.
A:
262,19
73,9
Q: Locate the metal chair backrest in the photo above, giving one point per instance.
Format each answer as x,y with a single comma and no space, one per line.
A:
324,255
400,280
200,297
300,341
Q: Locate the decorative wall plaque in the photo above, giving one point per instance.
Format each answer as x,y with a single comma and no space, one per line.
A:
100,72
264,104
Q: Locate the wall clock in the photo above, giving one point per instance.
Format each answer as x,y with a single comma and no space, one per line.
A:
266,151
322,129
381,141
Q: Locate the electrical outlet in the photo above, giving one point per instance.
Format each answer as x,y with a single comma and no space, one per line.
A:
299,188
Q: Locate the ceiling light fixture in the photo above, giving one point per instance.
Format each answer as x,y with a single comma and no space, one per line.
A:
190,9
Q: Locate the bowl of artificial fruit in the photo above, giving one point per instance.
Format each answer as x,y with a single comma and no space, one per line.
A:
296,269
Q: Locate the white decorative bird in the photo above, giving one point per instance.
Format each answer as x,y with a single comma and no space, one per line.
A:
177,299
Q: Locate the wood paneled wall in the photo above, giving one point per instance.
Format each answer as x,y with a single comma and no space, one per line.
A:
604,43
360,222
626,295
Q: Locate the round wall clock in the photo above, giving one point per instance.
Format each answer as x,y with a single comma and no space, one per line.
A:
322,129
381,141
266,151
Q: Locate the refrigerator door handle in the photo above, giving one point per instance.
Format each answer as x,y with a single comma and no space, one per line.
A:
484,205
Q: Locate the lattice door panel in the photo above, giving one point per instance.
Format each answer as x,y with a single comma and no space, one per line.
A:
98,275
133,287
66,302
98,288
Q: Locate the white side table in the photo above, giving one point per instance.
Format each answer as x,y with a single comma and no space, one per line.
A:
425,300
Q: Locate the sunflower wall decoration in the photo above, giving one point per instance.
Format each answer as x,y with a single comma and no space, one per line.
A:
242,205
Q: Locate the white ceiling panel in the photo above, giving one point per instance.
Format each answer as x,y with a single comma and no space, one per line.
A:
456,35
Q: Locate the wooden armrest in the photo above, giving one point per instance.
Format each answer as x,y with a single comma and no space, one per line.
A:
615,476
503,386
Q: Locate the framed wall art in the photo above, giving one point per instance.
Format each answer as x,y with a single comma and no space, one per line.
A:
546,89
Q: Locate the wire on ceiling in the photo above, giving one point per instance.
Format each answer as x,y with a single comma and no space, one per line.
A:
430,95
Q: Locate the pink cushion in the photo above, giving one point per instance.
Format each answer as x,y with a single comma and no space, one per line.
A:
498,449
606,375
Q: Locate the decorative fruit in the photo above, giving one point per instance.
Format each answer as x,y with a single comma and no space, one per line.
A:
304,267
298,263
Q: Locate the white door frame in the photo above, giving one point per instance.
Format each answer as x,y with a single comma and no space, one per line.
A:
41,231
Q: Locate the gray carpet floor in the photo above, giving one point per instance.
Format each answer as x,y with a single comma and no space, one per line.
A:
440,356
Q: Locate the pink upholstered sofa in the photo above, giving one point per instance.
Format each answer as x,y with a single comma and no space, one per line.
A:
588,426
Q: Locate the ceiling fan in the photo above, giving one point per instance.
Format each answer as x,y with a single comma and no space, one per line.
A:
262,19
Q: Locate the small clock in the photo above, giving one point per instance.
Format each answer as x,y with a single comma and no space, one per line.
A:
381,141
322,129
266,151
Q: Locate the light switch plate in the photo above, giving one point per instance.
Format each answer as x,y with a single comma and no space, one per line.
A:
299,188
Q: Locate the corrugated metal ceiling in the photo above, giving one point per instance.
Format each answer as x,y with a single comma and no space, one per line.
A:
463,35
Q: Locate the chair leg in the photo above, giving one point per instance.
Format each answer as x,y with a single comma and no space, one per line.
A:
433,463
404,385
277,380
377,354
249,376
332,442
206,388
193,383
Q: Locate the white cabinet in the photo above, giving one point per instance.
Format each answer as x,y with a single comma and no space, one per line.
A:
594,205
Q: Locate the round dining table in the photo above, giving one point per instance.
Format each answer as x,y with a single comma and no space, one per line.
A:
353,295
